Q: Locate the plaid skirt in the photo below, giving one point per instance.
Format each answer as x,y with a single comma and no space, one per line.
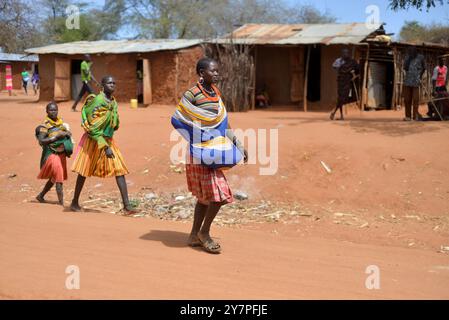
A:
208,185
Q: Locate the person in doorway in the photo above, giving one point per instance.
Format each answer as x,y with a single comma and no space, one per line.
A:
86,78
56,143
414,67
347,69
97,154
262,98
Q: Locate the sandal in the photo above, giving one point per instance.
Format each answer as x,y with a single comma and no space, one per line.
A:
194,241
210,246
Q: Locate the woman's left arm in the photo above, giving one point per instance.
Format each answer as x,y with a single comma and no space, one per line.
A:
230,134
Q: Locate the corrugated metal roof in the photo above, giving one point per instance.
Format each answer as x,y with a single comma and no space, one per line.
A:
115,46
18,57
279,34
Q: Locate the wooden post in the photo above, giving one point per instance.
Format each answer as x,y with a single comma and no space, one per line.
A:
393,99
306,76
176,76
253,100
364,99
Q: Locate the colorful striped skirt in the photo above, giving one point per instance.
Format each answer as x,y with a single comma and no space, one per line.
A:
54,168
207,184
91,161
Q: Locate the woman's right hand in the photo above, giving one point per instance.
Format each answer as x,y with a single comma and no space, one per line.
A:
109,152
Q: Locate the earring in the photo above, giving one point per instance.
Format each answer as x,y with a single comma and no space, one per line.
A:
201,81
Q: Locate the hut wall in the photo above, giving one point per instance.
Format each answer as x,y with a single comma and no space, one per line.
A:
329,76
47,76
168,78
16,68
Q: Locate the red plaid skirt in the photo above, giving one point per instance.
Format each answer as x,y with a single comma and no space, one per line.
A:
208,185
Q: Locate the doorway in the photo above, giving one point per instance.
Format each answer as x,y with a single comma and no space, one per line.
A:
314,74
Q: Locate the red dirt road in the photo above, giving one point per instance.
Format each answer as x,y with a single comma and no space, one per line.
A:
391,174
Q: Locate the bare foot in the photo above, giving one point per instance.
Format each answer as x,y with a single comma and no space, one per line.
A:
75,207
130,210
40,199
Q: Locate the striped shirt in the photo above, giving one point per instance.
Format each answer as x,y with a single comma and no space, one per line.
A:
199,97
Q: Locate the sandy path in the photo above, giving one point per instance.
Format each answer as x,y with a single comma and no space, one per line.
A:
133,258
381,166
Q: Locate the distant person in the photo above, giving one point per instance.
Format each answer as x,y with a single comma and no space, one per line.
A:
25,79
86,78
414,67
439,85
262,98
347,69
55,139
97,154
35,81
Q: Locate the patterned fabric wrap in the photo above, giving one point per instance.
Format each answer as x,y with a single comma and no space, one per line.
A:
52,128
204,128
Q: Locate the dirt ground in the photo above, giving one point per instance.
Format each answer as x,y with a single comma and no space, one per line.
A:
304,233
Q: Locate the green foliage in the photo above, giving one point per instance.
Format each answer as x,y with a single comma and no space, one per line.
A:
418,4
413,31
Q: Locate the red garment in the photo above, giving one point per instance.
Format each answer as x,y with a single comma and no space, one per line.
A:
55,168
441,76
208,185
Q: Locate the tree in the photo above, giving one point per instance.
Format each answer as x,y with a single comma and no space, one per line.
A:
418,4
17,31
413,31
212,18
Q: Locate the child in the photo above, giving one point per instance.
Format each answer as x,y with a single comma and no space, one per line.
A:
56,144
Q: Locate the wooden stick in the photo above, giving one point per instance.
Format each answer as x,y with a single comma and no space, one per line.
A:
306,76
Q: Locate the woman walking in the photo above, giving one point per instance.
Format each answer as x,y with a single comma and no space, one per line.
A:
202,120
97,154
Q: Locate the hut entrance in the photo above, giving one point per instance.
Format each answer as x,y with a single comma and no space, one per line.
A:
273,74
62,80
143,75
75,76
314,75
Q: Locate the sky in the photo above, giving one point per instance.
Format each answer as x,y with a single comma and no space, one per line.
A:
354,11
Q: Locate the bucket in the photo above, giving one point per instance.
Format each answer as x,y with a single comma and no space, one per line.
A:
134,103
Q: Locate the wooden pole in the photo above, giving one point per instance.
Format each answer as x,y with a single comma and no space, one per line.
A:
253,100
364,99
306,76
176,76
393,99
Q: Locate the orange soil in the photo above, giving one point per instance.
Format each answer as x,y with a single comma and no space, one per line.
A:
391,175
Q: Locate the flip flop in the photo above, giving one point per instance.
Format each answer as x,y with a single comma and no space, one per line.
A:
210,246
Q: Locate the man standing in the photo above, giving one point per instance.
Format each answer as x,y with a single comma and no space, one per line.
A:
439,84
414,67
86,77
439,77
347,69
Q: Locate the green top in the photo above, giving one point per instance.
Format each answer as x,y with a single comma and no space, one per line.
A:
25,75
100,118
85,71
